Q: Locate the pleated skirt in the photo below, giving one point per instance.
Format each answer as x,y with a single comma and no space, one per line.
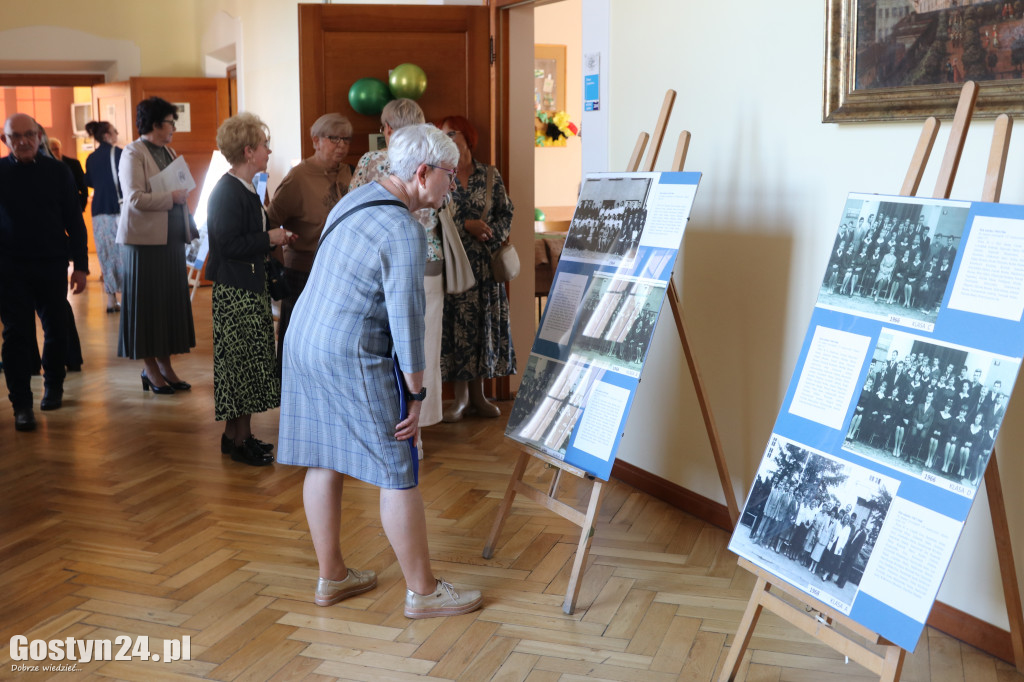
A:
156,312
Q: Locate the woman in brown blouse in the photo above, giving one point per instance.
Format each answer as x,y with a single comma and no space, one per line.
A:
302,201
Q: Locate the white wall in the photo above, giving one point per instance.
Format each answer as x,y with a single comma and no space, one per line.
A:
775,180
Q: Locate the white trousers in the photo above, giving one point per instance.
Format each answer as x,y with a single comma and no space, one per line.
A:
433,287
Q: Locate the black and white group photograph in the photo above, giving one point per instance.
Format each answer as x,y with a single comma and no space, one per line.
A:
930,409
550,399
813,520
609,221
892,261
616,322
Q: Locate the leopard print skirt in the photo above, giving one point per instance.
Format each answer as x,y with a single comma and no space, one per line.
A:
244,360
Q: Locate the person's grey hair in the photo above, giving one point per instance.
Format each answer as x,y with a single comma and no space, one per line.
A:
238,132
418,144
402,112
331,124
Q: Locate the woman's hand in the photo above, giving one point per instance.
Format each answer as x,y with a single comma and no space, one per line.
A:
179,196
408,427
281,236
479,229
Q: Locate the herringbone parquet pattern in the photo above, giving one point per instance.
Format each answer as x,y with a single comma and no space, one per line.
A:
120,517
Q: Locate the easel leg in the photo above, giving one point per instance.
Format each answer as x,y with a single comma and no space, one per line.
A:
555,480
743,634
506,505
1007,567
586,535
892,666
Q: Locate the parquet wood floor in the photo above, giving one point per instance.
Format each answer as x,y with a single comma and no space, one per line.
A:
119,516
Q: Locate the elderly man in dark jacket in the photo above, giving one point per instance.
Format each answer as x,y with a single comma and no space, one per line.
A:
40,227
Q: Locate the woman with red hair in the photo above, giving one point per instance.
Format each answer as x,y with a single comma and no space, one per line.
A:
476,341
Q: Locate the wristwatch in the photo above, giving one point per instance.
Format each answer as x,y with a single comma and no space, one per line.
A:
419,395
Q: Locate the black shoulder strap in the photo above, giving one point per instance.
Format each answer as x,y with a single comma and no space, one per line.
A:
360,207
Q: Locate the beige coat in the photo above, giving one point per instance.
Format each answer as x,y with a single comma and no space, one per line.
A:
144,214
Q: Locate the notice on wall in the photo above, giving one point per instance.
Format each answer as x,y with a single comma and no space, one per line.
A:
608,291
894,407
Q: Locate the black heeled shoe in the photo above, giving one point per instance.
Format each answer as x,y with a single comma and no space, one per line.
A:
177,385
227,445
249,452
148,385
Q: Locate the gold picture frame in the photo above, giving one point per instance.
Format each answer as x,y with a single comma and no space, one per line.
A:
843,101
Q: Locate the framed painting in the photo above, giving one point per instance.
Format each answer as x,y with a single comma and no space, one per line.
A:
908,59
549,78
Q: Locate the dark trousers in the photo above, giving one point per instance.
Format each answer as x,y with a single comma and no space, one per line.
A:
296,282
25,290
74,352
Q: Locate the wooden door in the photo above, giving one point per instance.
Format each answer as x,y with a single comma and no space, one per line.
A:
339,44
208,107
112,102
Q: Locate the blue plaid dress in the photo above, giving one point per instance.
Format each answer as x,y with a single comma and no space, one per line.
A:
363,303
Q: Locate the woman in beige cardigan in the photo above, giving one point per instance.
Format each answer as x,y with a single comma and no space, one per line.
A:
156,315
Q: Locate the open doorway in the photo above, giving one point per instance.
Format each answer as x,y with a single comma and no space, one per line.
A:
557,32
558,149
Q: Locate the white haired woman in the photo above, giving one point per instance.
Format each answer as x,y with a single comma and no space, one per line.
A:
301,203
373,165
354,359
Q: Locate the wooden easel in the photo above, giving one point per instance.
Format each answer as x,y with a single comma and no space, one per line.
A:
678,161
587,520
853,641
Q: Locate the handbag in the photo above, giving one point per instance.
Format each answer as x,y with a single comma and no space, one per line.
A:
458,273
277,284
505,263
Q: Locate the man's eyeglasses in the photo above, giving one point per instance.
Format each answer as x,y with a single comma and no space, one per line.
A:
171,122
30,135
449,171
338,139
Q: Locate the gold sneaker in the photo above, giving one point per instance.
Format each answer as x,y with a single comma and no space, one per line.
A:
444,601
330,592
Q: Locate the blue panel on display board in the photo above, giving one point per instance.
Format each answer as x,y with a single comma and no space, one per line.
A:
893,410
605,300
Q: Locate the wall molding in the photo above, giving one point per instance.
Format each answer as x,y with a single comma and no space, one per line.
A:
980,634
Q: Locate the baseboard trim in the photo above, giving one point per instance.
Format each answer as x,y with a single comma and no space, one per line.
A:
973,631
703,508
963,626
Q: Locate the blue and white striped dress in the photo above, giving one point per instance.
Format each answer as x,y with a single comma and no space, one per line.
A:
363,304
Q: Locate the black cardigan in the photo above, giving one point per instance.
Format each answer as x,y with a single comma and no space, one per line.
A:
238,243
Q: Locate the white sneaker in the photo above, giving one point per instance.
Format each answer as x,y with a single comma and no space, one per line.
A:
444,601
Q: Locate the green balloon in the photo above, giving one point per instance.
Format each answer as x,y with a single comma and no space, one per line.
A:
407,80
368,96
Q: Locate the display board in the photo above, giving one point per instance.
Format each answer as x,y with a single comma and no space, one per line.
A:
892,413
604,303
